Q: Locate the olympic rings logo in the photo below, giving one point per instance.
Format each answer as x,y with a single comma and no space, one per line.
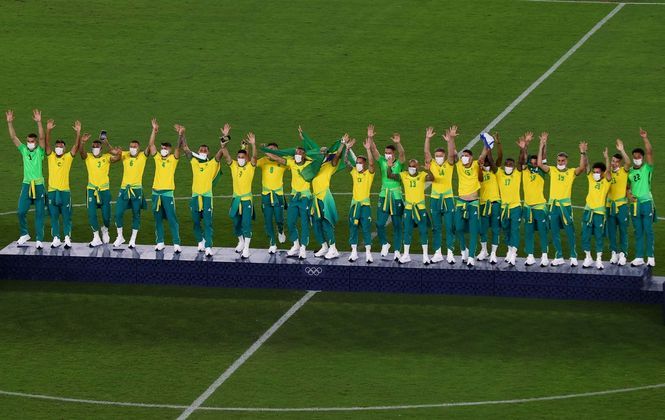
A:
313,271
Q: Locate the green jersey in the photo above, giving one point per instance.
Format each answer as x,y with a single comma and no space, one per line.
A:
387,183
640,182
32,164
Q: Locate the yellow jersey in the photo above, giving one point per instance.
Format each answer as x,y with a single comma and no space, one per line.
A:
442,184
509,186
618,186
414,189
203,173
58,171
595,198
298,183
164,172
489,188
467,178
533,185
272,175
98,171
362,185
132,169
321,181
242,180
561,185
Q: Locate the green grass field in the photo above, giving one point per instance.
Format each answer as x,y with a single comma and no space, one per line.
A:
332,67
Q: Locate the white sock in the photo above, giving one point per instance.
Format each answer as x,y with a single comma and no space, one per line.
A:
425,249
406,249
354,248
368,248
588,254
120,231
599,256
247,241
494,248
483,247
134,233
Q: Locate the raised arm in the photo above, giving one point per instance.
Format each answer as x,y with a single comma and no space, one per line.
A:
624,155
499,150
182,140
449,137
37,116
251,139
584,161
10,125
340,149
50,125
368,149
608,170
522,144
153,136
400,150
77,140
647,147
429,133
541,151
84,139
347,150
370,135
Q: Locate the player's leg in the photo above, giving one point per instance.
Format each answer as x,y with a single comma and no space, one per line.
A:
304,210
587,231
24,203
121,205
40,213
647,215
529,234
612,226
196,214
436,205
354,225
555,225
485,216
317,227
423,233
268,225
541,218
397,219
599,235
515,222
158,214
366,226
569,226
106,208
54,214
91,209
279,217
407,236
292,214
474,228
66,210
381,220
246,226
460,223
449,222
208,211
622,222
172,220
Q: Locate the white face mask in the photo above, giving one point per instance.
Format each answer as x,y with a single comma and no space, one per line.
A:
96,151
59,151
509,170
412,170
439,160
561,167
388,156
297,158
133,151
31,146
203,156
596,176
164,152
242,161
486,168
637,162
359,167
465,160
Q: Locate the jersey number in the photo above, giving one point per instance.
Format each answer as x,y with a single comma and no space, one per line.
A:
507,181
636,177
412,184
533,178
360,179
131,162
597,186
272,169
561,178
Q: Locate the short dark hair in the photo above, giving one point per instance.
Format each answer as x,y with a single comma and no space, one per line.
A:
510,160
32,136
60,141
599,165
391,147
440,149
134,142
242,152
97,142
361,157
638,150
300,148
562,154
468,151
166,144
204,145
273,144
618,156
533,157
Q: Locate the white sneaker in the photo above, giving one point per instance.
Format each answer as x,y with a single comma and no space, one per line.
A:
544,260
23,239
599,264
622,259
293,251
132,239
368,257
483,255
651,261
281,237
96,240
245,253
396,256
450,257
241,244
131,244
513,259
588,262
385,249
404,259
615,258
160,246
323,251
119,241
438,256
302,254
201,246
426,259
39,245
56,242
557,262
573,262
493,260
272,249
465,255
530,260
354,256
176,249
68,242
332,253
105,235
208,252
470,262
637,262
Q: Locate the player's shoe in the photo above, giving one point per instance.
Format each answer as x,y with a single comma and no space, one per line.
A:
438,256
544,260
39,245
302,253
323,251
293,251
368,257
622,259
208,252
513,258
385,248
530,260
23,239
96,240
272,249
573,262
241,244
56,242
637,262
118,241
450,257
599,262
245,253
281,237
426,259
176,249
160,246
470,262
614,258
201,247
105,235
482,256
332,252
557,262
68,242
493,259
588,262
396,256
131,244
404,259
354,256
465,255
651,261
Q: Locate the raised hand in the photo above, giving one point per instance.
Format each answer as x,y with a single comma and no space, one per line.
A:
619,145
226,130
521,142
345,138
251,139
605,154
300,132
370,131
179,129
37,115
583,147
367,143
496,137
10,115
155,126
50,125
450,134
543,137
396,138
528,136
429,132
643,133
77,126
85,137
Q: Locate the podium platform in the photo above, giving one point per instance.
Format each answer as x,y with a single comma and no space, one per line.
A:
143,265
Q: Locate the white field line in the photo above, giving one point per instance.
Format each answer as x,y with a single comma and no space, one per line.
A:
545,75
643,3
338,409
246,355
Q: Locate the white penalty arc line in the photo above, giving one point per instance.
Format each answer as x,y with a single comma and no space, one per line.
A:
245,356
545,75
641,3
338,409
